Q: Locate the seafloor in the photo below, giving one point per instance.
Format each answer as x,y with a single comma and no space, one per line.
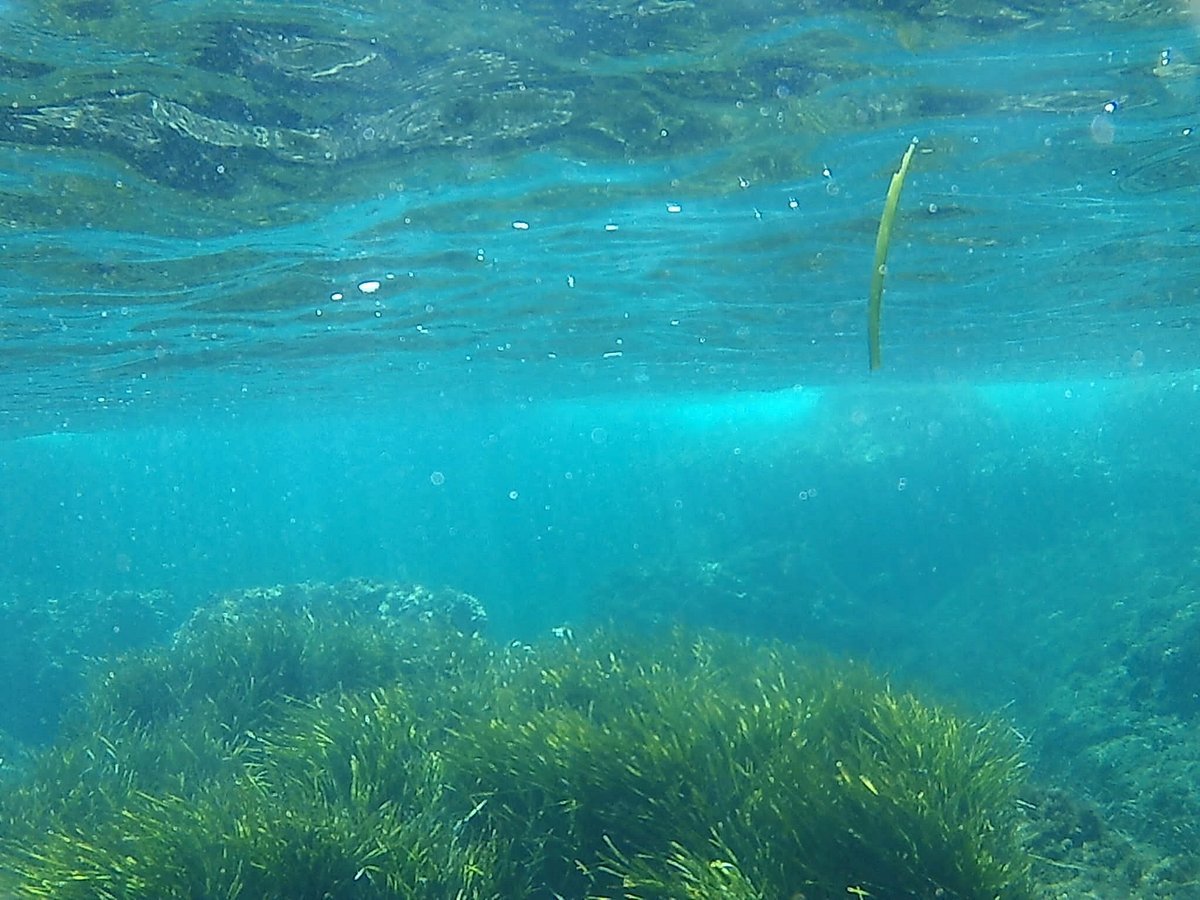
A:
1087,665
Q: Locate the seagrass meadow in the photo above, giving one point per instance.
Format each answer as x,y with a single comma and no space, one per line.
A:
367,741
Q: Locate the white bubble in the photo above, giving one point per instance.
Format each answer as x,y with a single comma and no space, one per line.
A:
520,226
369,287
512,495
437,479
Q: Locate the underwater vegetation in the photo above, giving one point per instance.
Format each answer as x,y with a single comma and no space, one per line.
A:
879,267
291,744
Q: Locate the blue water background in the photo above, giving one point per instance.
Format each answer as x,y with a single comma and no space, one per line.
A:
533,506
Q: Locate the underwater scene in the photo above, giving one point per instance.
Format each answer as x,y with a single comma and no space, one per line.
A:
563,449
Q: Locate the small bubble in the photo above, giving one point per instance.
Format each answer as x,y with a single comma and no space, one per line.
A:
902,484
512,495
437,479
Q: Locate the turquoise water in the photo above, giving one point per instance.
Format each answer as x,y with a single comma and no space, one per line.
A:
564,305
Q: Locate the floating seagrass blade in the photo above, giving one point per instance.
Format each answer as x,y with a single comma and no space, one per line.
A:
882,239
